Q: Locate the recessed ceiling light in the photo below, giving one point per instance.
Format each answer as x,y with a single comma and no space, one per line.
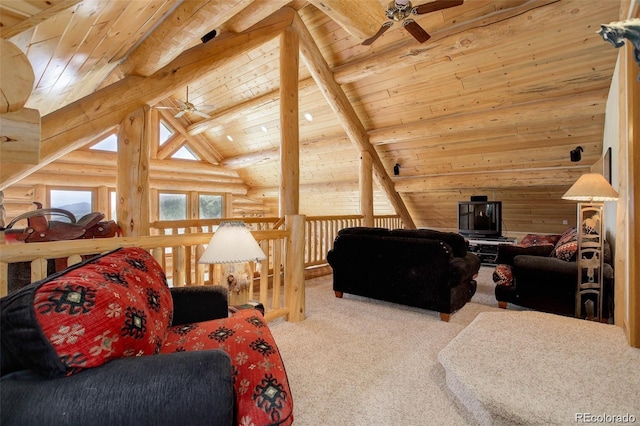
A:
229,138
264,129
308,116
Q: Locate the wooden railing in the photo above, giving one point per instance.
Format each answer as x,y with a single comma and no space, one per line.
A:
281,292
278,281
320,231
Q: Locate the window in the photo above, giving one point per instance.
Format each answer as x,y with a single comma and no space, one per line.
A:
110,143
172,206
113,202
78,202
165,132
185,153
210,206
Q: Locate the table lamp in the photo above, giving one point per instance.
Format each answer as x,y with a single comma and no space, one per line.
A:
233,246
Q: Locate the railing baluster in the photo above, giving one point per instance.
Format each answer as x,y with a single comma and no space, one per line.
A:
38,269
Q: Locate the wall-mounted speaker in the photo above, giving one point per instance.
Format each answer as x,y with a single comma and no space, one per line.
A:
576,154
208,36
396,169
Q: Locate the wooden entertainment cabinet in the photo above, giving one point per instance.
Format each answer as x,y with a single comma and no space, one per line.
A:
487,248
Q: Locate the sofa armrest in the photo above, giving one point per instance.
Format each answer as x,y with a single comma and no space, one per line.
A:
199,303
193,388
463,269
507,252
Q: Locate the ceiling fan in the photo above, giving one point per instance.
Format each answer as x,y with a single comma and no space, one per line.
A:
399,10
186,106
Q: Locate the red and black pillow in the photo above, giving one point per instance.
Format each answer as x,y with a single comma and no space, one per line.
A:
260,381
114,305
567,246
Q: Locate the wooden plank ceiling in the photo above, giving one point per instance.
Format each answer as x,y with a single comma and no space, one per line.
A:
491,104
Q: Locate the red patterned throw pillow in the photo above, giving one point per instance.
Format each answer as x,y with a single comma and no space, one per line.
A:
538,240
115,305
503,275
260,381
567,245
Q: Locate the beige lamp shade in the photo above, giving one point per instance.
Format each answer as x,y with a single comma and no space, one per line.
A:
232,243
591,187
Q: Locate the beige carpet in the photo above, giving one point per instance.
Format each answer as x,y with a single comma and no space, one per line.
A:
536,368
358,361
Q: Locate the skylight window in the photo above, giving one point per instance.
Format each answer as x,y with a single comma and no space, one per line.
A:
110,143
185,153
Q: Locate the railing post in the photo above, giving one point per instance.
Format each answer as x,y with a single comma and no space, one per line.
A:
294,268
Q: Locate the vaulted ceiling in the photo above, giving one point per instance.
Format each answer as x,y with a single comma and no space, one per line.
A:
491,104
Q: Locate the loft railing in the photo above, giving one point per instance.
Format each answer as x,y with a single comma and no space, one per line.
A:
282,293
320,231
177,245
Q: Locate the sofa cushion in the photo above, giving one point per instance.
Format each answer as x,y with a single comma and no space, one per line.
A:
364,230
454,240
567,246
111,306
507,252
260,381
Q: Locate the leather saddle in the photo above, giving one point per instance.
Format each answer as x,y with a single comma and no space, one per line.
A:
40,229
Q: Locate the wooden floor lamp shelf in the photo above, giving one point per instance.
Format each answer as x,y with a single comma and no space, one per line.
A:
591,190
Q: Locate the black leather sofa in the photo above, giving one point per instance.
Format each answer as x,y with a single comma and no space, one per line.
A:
420,267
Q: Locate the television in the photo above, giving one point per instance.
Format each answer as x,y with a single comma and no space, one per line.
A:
480,219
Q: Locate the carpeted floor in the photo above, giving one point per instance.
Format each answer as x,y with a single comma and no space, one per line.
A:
358,361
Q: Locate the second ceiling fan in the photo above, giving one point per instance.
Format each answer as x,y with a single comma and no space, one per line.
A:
186,106
399,11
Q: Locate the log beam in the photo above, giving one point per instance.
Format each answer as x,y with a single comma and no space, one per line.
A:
339,103
132,183
289,141
360,19
366,189
74,125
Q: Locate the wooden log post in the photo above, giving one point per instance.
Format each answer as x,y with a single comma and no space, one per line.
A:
289,144
132,180
294,268
366,188
4,279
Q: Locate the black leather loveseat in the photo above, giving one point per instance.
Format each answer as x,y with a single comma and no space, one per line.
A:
420,267
541,273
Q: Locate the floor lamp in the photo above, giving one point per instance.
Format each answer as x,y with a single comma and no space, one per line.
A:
591,190
233,247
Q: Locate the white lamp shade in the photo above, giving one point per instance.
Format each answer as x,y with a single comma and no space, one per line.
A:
232,243
591,187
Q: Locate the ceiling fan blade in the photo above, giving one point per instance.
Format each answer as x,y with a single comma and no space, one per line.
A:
201,114
381,31
416,30
436,5
180,114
